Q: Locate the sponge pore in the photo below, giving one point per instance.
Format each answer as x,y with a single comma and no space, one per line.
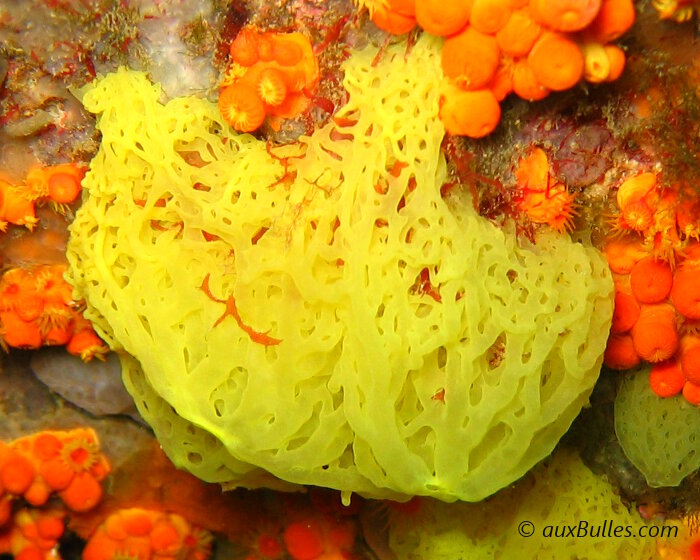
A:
320,310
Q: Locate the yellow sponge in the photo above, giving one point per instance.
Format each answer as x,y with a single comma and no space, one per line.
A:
559,511
321,311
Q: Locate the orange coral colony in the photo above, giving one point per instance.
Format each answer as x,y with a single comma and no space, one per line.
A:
37,308
527,47
270,77
655,260
148,534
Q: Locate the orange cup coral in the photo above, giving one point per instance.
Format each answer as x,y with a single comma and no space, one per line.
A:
655,335
147,535
666,378
565,15
685,293
470,113
540,195
556,61
37,308
470,58
443,17
651,280
271,75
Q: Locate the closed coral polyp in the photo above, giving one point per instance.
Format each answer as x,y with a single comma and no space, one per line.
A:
470,113
392,21
244,48
625,313
685,293
556,61
519,33
19,333
655,334
666,378
565,15
525,84
651,280
690,358
443,17
596,64
635,188
490,16
613,20
620,353
470,58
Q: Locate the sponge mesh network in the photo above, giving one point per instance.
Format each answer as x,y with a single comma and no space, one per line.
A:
321,310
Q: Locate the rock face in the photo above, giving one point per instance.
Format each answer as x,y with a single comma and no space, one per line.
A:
96,387
28,406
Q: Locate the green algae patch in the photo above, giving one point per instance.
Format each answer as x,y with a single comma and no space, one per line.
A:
661,437
320,311
561,492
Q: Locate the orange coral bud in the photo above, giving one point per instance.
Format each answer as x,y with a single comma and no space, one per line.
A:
82,494
241,107
443,17
86,344
63,188
519,33
685,293
46,446
38,493
622,254
286,49
17,474
470,58
620,353
533,173
470,113
613,20
655,335
625,314
19,333
556,61
596,65
51,527
525,84
165,538
502,83
651,280
616,59
5,509
635,188
691,393
57,474
393,22
244,48
565,15
666,378
690,358
303,540
490,16
137,522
